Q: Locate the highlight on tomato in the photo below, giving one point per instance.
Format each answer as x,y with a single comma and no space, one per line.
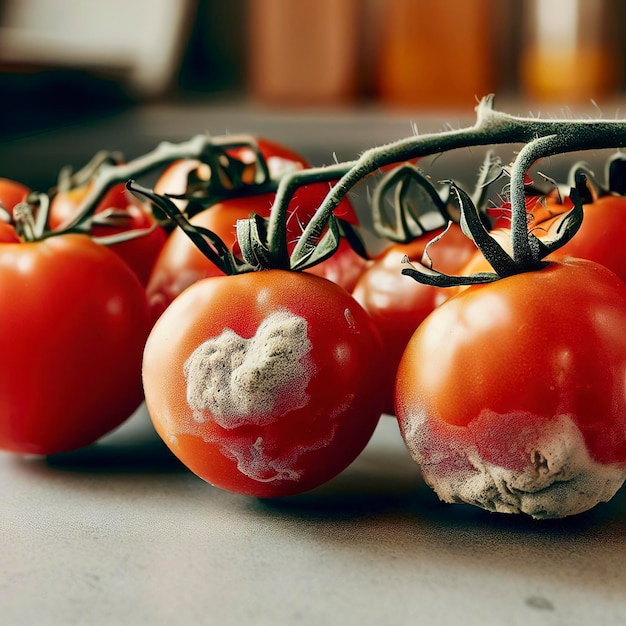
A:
511,395
263,382
74,321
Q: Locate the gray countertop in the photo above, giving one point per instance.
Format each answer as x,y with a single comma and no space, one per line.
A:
120,533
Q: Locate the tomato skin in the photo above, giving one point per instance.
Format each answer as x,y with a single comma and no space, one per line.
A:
140,253
397,303
74,322
181,264
314,427
12,192
8,234
601,235
493,369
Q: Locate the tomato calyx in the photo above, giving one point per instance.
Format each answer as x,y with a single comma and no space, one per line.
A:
210,244
68,179
261,248
30,217
528,250
221,173
615,178
5,216
419,208
616,174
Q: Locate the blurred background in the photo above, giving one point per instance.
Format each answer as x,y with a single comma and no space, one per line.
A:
76,74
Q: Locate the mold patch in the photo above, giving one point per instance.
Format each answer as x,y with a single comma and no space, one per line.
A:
559,477
236,381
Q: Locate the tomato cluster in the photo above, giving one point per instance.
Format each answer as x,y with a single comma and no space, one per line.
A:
269,381
297,334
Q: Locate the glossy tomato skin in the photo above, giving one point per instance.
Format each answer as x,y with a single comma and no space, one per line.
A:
601,235
265,383
512,395
74,321
181,263
139,253
398,304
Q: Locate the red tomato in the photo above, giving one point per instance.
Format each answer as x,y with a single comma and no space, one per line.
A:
74,321
279,159
180,263
139,253
512,395
601,235
12,193
8,233
398,304
264,383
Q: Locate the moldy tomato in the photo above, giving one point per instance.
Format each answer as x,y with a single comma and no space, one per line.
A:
264,383
512,394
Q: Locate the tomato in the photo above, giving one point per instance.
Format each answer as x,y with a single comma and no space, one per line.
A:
8,233
122,213
398,304
73,324
512,395
280,159
601,235
264,383
180,263
12,192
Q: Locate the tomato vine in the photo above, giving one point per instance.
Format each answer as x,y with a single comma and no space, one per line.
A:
540,139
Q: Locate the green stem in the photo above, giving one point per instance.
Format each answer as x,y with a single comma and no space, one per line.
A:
205,240
491,127
165,153
287,186
540,148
